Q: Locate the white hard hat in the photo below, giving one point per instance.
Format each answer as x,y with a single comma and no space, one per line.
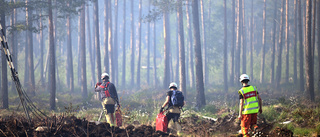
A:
173,84
103,75
243,77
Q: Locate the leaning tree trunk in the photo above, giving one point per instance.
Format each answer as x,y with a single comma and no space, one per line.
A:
139,46
83,71
132,44
308,48
287,42
4,79
52,63
182,65
263,43
279,66
225,50
190,42
301,73
198,61
273,53
123,83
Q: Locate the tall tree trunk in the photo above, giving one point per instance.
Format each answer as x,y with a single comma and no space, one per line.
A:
318,20
123,83
232,78
273,53
4,75
182,64
110,43
83,53
287,42
176,76
205,65
132,44
14,42
251,42
238,41
225,50
69,62
139,45
148,48
31,81
41,50
155,80
308,48
97,40
263,43
295,44
313,29
244,40
279,66
52,63
301,64
116,45
198,61
90,46
166,27
190,42
106,37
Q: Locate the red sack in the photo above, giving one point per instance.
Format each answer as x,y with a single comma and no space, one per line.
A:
161,122
118,117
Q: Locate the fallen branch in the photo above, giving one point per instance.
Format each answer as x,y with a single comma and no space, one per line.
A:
3,133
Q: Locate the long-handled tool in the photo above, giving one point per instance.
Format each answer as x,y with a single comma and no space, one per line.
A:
100,116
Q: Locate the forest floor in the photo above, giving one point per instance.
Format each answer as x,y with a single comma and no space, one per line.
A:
284,114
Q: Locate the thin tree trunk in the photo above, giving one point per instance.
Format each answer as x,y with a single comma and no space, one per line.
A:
232,78
4,79
301,72
123,83
69,63
52,76
279,66
225,50
166,27
182,64
154,55
132,44
273,53
110,44
115,46
190,42
200,97
139,45
287,42
244,40
205,66
295,44
318,43
148,48
83,53
106,37
238,41
251,42
263,43
90,46
308,48
97,39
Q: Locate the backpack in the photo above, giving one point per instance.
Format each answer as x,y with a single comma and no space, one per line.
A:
177,98
106,90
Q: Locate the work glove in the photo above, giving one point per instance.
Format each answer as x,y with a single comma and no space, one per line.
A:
98,84
161,109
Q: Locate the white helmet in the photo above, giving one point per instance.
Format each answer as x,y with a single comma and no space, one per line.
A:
243,77
103,75
173,84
